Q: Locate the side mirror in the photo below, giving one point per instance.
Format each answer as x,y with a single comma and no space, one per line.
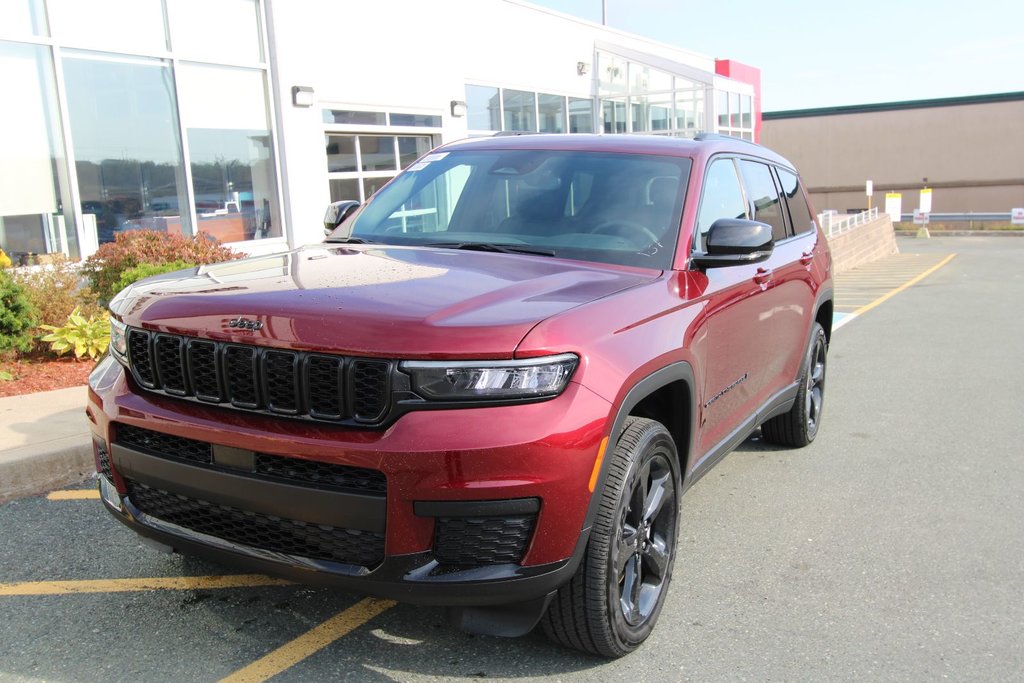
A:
338,212
735,242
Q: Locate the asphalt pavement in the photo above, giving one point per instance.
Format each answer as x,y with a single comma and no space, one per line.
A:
890,549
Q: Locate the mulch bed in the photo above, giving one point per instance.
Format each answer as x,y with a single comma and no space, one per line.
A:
44,374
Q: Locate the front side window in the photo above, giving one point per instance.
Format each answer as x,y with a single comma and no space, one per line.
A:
721,197
764,196
611,208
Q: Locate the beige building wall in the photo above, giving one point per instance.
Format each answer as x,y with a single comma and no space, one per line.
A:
972,154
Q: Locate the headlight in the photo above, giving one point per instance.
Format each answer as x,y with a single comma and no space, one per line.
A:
491,380
119,340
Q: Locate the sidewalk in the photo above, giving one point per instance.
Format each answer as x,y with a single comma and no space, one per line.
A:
44,442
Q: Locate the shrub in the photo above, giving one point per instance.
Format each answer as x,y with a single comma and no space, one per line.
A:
84,336
144,270
57,290
135,247
17,316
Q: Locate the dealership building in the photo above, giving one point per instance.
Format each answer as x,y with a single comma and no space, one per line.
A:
243,119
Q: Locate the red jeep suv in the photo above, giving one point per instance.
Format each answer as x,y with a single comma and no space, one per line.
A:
490,385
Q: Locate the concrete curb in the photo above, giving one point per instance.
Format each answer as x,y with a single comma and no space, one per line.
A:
31,471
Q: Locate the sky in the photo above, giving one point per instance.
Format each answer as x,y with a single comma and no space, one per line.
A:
839,52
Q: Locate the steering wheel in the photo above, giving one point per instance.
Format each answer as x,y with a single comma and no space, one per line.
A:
627,229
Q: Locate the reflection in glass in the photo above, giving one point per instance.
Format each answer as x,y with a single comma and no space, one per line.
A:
581,115
552,113
660,112
639,112
346,188
411,148
484,110
361,118
23,17
734,110
341,153
723,109
33,185
520,114
127,149
371,185
124,25
230,152
226,30
745,102
614,112
417,120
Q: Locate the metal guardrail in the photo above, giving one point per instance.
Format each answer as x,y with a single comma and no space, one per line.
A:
837,226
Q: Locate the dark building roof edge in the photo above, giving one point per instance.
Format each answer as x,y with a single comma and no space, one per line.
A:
894,106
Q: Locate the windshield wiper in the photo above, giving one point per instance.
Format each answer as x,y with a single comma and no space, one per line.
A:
490,246
348,240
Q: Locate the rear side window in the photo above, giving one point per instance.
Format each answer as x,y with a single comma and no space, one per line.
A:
765,197
721,197
799,212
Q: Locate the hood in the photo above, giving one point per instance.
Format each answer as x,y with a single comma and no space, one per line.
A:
400,302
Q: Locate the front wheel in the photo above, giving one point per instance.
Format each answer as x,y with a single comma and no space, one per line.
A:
611,604
799,426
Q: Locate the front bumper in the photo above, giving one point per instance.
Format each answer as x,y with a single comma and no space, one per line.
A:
443,469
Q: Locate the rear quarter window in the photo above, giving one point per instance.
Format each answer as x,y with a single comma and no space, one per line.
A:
799,211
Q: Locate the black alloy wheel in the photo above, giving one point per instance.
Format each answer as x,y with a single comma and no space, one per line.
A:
800,425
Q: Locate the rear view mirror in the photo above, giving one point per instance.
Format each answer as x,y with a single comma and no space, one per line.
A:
338,212
735,242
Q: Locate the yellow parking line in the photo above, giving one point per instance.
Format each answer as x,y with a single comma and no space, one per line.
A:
309,643
910,283
180,583
78,494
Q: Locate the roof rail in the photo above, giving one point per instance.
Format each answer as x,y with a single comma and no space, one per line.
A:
719,136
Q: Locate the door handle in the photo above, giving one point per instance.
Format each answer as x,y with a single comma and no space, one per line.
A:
806,258
762,275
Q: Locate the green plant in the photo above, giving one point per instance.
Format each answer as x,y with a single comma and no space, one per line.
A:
136,247
84,336
56,290
5,260
144,270
6,376
17,316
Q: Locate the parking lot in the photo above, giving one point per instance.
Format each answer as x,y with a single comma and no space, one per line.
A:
890,549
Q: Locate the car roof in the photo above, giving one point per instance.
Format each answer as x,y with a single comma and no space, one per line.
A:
700,148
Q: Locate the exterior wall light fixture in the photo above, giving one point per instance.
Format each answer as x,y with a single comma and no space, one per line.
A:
458,108
582,68
302,96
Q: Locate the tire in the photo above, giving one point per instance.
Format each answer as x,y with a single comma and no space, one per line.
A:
799,426
612,603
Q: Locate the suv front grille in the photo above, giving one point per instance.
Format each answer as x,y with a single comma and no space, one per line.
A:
315,386
481,541
311,473
288,536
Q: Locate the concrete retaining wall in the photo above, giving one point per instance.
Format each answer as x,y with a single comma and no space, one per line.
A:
863,244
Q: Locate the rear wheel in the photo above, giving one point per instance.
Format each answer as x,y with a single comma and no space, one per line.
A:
611,604
800,425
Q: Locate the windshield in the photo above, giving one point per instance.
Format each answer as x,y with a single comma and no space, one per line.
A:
611,208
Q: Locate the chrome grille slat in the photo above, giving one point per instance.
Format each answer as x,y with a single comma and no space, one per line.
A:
316,386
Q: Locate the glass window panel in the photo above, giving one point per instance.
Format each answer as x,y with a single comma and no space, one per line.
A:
734,110
378,152
721,197
552,113
123,25
371,185
639,112
799,211
661,112
412,148
124,124
33,181
762,192
230,151
745,105
226,30
361,118
344,189
723,109
581,115
424,120
341,153
520,114
614,112
484,109
23,17
611,74
658,80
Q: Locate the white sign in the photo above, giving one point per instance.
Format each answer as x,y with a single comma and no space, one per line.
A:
869,188
894,206
926,200
920,217
1017,216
